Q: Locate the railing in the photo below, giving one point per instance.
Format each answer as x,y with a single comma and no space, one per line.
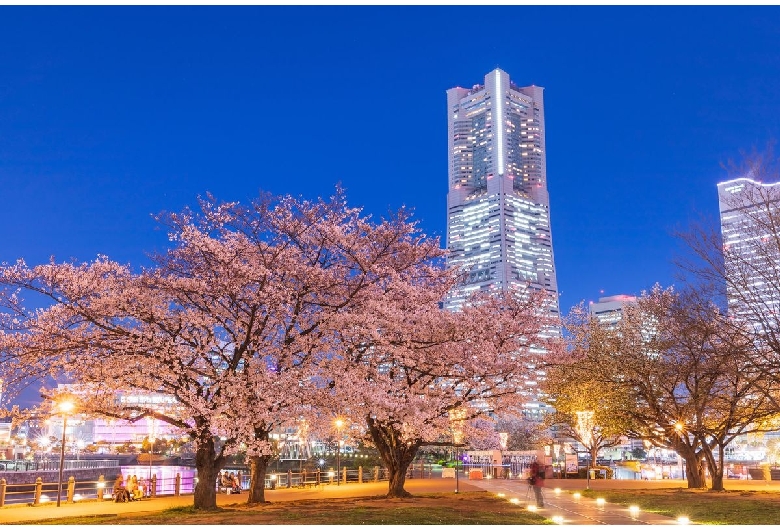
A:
21,466
41,492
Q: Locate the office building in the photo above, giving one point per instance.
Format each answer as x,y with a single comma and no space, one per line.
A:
748,211
498,210
609,309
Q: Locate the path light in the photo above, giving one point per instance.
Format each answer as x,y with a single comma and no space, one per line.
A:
502,495
600,501
557,519
514,500
683,520
557,491
576,496
634,509
531,507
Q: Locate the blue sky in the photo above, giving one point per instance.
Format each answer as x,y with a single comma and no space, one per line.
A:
111,114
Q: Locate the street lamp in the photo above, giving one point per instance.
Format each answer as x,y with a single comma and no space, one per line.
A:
339,425
64,407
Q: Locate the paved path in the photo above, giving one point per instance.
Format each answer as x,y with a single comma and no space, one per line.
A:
564,507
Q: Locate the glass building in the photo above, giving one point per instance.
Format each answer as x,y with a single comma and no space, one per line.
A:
498,209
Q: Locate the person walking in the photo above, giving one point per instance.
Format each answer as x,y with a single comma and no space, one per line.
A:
536,480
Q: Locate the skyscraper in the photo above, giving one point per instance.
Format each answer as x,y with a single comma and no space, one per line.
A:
498,209
749,212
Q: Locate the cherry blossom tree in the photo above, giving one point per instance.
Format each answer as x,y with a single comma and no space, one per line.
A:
405,365
231,322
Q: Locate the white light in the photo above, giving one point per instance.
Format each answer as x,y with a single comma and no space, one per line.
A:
45,498
557,491
683,520
576,496
101,484
531,507
634,509
499,122
514,500
557,519
501,495
77,497
600,501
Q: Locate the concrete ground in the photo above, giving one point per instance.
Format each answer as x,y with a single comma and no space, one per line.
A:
564,505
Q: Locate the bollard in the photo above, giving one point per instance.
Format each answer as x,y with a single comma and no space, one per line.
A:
289,478
318,476
38,488
376,473
2,492
344,475
177,486
330,476
154,485
101,486
360,474
71,488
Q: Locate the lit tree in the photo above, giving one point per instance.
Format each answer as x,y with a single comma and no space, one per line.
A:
684,373
588,409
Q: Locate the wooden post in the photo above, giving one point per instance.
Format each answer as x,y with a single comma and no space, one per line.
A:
344,475
154,485
376,473
38,488
2,492
177,486
360,474
101,486
71,488
289,478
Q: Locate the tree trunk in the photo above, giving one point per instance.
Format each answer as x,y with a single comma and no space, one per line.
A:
208,466
716,469
396,454
695,472
257,468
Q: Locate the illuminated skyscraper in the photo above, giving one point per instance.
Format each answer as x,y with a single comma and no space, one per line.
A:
748,213
498,209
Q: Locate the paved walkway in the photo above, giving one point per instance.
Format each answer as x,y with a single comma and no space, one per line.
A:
564,505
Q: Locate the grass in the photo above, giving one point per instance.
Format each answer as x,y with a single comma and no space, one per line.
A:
701,507
479,508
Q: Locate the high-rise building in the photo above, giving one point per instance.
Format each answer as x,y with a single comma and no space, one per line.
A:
609,309
748,213
498,209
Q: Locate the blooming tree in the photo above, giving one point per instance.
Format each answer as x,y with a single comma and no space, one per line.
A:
233,322
405,364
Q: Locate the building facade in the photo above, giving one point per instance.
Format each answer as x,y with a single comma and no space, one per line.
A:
498,209
748,213
609,309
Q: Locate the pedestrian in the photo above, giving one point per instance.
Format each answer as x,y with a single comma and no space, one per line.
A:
536,480
120,493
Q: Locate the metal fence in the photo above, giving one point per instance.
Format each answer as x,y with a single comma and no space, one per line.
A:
41,492
21,466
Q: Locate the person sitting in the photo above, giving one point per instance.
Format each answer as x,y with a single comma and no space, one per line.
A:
135,491
227,482
120,493
236,486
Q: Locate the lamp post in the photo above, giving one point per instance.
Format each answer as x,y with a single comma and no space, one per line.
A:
339,425
64,407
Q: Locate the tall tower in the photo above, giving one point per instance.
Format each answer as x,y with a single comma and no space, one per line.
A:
498,209
749,211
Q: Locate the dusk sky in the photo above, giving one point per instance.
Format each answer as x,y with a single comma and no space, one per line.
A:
111,114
